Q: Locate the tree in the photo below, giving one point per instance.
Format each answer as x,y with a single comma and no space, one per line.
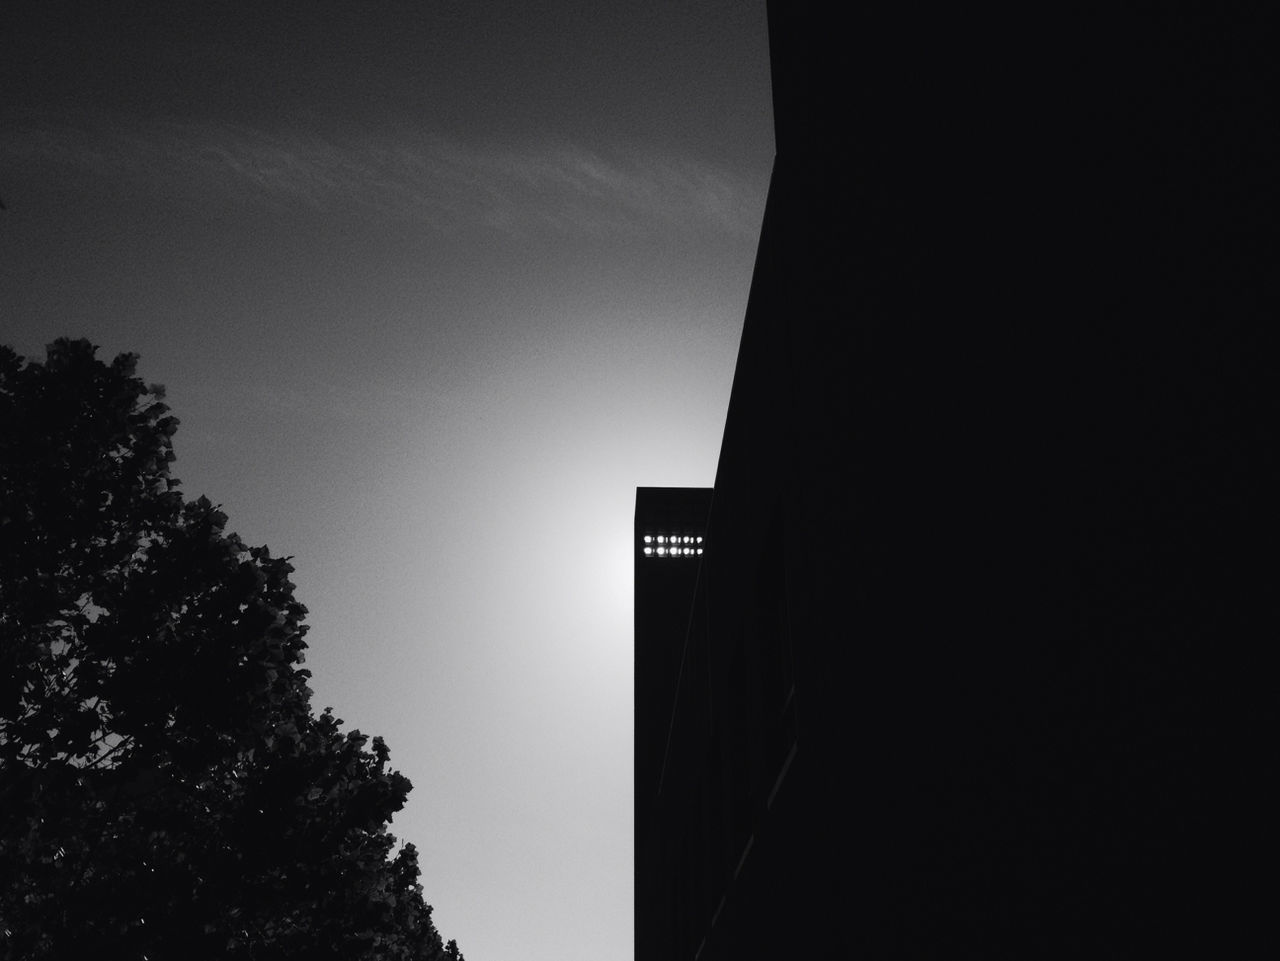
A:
166,789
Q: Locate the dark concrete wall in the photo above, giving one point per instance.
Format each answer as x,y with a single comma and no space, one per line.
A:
996,454
665,591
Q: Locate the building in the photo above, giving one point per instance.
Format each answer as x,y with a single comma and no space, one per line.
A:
970,665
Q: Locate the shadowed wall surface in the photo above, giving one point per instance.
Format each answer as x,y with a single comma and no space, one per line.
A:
974,666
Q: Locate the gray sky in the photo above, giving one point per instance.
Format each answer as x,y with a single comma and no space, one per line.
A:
433,287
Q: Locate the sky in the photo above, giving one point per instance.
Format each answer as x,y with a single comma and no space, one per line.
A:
433,287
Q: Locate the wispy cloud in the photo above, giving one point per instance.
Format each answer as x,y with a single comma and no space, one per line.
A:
445,183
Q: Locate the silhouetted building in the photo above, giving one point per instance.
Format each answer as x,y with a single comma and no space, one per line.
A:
970,665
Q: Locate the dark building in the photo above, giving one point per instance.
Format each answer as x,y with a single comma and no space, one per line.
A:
971,665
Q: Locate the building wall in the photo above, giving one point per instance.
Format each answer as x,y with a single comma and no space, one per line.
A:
665,593
980,582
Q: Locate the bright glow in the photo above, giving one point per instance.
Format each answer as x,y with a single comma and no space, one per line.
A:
673,545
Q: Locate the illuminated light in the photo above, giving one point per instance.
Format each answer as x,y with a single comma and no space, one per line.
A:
673,545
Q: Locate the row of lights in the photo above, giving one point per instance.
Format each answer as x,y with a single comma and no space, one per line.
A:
672,545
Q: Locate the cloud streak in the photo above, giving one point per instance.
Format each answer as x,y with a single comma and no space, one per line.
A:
449,185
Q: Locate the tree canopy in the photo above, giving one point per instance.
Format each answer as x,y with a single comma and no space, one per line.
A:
166,789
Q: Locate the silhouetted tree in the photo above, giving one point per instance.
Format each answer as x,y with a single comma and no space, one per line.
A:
165,789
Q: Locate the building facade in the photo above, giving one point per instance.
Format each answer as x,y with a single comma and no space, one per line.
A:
970,665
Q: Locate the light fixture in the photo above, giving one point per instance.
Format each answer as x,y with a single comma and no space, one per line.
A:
672,545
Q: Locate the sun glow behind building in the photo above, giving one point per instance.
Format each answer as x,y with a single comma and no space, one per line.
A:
428,314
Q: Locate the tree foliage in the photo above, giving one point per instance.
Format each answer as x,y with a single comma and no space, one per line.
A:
166,789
